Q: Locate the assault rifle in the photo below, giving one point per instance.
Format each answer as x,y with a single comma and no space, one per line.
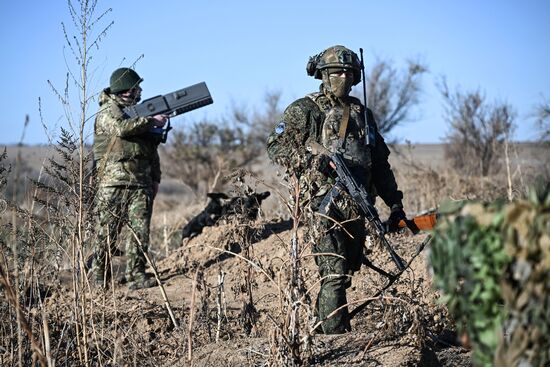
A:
171,104
346,181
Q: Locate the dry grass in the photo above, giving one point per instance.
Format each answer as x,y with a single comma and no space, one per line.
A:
235,308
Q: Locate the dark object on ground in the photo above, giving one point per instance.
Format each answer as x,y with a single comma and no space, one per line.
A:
222,206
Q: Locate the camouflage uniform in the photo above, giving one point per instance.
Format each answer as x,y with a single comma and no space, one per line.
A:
317,117
127,165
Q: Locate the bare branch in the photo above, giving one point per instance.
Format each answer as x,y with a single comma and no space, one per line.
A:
478,130
392,93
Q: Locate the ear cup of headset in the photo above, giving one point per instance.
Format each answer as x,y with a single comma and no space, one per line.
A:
311,66
356,77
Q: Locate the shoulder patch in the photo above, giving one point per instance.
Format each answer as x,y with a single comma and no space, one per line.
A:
280,128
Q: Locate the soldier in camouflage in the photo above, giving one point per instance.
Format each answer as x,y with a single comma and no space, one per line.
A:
336,120
127,170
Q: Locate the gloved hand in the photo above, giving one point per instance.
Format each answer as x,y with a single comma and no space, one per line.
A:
158,120
325,166
392,224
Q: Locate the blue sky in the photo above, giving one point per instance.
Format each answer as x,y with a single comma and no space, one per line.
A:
242,49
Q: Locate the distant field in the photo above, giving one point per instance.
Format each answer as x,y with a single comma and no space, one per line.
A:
526,160
529,155
432,155
34,156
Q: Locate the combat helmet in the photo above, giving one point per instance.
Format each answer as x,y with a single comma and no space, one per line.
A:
335,57
124,79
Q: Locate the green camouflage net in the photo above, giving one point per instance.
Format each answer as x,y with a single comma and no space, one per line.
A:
492,262
468,257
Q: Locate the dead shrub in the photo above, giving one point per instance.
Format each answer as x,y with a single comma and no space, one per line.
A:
478,131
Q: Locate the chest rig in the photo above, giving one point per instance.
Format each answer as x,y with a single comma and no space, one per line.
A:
344,130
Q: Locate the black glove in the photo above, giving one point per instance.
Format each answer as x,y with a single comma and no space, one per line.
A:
392,224
324,165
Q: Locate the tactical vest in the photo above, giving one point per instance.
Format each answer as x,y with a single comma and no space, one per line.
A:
119,149
121,160
356,152
115,147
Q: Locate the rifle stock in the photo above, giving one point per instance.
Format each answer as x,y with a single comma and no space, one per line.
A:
424,222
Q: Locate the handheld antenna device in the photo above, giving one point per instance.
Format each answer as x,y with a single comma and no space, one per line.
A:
367,126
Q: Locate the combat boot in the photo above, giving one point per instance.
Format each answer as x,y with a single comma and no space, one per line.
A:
140,281
100,279
99,282
88,263
124,279
129,277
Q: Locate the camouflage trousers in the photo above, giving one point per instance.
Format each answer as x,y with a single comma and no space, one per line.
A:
342,248
120,206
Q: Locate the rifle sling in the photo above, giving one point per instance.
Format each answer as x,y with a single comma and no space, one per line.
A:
101,169
343,127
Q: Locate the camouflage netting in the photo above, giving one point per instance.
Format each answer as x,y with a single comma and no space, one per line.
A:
468,258
492,262
526,284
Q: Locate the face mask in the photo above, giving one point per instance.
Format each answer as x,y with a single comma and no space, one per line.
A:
132,96
340,84
137,97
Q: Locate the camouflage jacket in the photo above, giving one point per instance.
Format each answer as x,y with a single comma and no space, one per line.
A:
123,155
316,117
